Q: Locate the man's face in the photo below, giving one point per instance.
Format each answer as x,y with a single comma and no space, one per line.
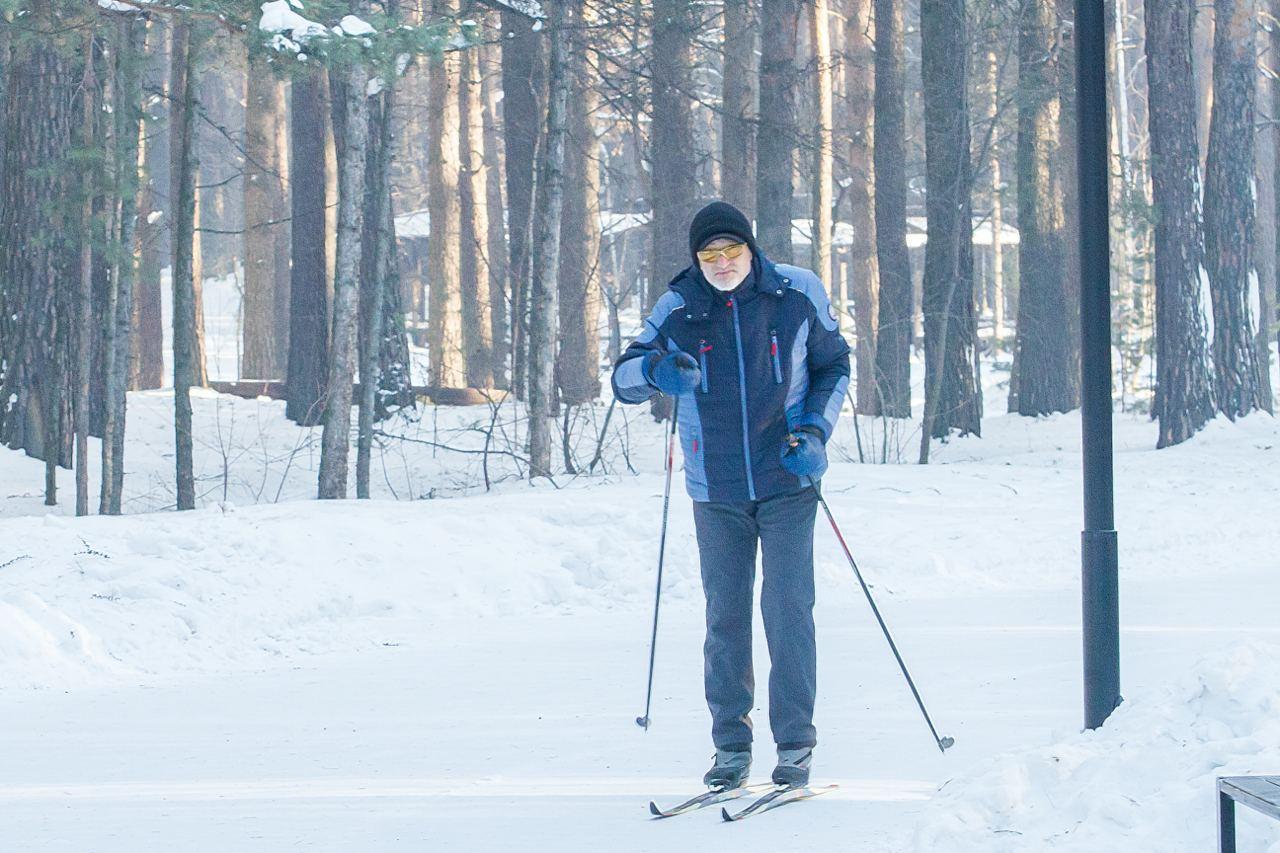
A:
726,273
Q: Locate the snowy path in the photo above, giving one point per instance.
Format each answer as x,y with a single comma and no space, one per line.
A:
516,734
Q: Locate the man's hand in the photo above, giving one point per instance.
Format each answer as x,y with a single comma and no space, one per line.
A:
673,374
804,453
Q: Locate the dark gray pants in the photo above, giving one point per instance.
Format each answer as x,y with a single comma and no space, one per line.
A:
727,536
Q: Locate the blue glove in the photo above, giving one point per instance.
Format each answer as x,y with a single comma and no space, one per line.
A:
673,374
804,453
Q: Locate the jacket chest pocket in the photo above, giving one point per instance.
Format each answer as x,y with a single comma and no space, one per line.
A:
703,349
775,357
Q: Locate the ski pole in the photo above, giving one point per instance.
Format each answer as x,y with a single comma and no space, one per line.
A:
643,722
944,743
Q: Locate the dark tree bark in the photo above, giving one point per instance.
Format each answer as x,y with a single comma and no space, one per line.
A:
83,340
308,300
1048,369
352,139
1183,401
39,241
864,273
738,129
952,401
154,217
374,283
183,81
671,153
543,409
893,334
776,140
580,299
1228,209
522,83
130,41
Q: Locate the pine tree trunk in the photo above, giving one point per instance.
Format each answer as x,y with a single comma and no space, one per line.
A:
129,46
84,295
522,85
308,297
1048,375
675,189
477,320
1228,209
1183,401
375,284
183,83
738,130
1264,231
264,352
499,278
997,204
38,253
543,409
445,342
824,155
155,216
353,144
951,397
776,140
580,298
893,334
864,271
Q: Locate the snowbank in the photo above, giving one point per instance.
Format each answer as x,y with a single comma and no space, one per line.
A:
1146,777
229,588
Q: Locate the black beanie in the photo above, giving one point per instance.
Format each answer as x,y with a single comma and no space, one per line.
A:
714,220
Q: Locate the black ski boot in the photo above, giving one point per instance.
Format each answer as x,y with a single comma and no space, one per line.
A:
731,768
793,767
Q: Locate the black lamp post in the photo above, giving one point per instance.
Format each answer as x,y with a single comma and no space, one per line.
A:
1100,574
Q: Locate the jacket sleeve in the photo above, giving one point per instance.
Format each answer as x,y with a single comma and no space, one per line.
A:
827,362
630,383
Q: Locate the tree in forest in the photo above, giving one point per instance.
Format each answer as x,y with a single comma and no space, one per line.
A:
523,79
1228,209
893,334
952,401
580,298
1046,348
776,136
543,311
1183,399
671,146
39,236
266,229
351,126
864,274
308,297
477,304
183,82
738,102
824,156
444,335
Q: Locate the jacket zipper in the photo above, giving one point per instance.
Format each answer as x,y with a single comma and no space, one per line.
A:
742,387
773,351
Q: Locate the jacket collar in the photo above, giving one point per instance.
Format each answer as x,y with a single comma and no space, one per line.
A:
699,295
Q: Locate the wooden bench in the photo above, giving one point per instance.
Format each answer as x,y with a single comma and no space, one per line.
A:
1260,793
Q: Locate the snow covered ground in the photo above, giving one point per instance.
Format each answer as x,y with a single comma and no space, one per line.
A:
274,673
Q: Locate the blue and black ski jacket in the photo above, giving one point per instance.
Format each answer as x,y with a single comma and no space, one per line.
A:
772,360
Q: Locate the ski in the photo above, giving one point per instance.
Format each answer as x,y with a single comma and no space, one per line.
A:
778,796
708,798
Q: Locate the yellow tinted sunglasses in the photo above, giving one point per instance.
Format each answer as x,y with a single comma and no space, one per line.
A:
731,251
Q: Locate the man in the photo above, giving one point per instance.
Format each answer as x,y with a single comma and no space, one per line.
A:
752,351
